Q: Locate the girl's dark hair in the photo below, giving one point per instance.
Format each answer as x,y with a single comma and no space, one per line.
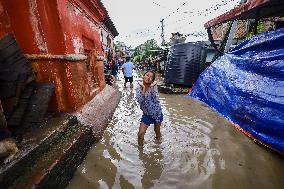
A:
154,74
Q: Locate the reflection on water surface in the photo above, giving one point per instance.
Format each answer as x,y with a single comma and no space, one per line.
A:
199,149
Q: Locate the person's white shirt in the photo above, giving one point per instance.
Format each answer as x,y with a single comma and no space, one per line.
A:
128,69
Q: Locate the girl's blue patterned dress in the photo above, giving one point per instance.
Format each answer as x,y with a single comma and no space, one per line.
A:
150,104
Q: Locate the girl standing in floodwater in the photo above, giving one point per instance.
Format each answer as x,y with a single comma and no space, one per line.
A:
148,99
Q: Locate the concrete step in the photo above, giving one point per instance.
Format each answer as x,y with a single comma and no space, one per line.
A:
48,155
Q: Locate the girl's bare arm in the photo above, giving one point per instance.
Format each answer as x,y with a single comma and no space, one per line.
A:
152,86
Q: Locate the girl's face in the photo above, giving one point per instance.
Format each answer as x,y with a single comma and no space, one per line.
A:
148,78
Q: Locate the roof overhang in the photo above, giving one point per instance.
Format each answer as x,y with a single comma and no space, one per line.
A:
249,10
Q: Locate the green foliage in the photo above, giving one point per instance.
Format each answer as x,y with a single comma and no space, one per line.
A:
260,29
147,50
117,46
137,58
260,26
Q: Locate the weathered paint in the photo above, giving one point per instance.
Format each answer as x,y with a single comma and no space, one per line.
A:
78,45
73,88
69,57
35,23
49,31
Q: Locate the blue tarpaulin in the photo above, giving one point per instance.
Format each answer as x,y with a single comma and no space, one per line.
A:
246,85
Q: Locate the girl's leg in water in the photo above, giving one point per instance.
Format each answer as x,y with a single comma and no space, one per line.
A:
157,127
141,133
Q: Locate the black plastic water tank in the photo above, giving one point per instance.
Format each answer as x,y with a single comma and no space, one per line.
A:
14,67
185,62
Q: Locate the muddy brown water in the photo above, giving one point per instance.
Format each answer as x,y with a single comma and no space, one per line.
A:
198,149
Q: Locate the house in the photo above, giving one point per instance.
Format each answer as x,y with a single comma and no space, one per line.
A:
56,37
245,26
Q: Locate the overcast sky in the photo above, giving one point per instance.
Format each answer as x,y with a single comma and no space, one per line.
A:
139,20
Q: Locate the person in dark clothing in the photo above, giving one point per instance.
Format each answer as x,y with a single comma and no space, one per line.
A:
114,70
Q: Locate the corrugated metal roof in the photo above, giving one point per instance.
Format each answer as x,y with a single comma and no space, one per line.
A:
108,22
266,8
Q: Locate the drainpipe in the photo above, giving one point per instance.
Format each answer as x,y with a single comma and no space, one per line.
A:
232,32
231,36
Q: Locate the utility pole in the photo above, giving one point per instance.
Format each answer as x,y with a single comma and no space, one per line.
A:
162,34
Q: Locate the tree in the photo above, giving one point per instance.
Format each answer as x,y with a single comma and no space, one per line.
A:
147,50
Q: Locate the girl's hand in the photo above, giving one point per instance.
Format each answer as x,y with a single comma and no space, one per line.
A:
153,84
143,89
141,84
152,87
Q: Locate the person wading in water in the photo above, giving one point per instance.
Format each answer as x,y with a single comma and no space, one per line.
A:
148,99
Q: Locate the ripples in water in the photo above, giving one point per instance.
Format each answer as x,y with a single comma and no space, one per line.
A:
189,155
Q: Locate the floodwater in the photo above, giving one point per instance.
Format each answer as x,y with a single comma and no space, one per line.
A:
198,149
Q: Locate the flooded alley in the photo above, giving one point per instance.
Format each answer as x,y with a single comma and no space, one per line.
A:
198,149
70,117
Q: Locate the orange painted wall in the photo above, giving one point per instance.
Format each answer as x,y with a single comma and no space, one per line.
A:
79,28
58,27
72,88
